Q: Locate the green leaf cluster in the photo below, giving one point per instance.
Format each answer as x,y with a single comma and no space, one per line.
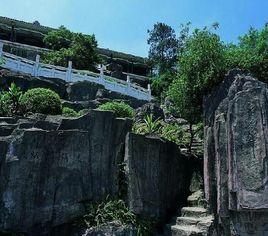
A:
121,109
163,47
69,112
10,101
115,210
41,100
69,46
204,61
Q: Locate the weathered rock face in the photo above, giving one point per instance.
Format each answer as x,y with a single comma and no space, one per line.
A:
26,82
236,163
111,229
83,91
149,108
47,174
158,176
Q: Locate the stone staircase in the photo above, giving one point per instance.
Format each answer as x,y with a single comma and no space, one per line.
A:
193,220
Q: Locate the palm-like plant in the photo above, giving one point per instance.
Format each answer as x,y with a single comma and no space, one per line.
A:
15,93
2,60
149,126
152,126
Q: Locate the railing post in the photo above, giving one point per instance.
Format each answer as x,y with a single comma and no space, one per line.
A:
69,72
102,81
128,80
102,71
36,66
149,92
128,85
1,48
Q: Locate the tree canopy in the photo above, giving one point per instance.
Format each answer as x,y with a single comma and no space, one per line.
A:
163,47
69,46
203,60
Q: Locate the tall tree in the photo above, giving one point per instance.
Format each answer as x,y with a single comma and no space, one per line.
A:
163,47
69,46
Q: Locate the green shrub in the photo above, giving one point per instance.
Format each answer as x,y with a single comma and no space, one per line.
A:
41,100
5,104
83,112
173,133
149,126
10,101
69,112
121,109
116,210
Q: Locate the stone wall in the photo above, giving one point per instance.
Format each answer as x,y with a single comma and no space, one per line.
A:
158,176
236,164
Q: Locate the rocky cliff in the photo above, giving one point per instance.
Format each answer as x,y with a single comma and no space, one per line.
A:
236,163
51,167
158,176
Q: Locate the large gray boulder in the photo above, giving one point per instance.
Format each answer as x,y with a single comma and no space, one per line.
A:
47,175
111,229
236,163
158,176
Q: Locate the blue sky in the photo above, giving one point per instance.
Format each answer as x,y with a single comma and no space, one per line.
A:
122,24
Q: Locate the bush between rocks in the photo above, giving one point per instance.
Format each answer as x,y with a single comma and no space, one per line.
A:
121,109
41,100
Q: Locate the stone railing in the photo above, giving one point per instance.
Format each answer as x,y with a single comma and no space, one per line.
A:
35,68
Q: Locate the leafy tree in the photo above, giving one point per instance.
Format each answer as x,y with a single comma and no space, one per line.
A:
163,47
251,53
58,39
75,47
162,81
201,66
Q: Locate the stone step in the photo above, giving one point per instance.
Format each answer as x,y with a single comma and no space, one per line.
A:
201,221
205,223
185,220
186,230
194,211
196,199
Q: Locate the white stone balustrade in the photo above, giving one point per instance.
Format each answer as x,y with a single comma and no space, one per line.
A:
35,68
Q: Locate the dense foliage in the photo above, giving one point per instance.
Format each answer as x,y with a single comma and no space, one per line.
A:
201,66
69,46
148,126
161,83
69,112
10,101
121,109
202,61
115,210
41,100
2,60
251,53
163,47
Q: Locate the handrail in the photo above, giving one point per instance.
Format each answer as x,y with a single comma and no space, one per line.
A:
69,74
